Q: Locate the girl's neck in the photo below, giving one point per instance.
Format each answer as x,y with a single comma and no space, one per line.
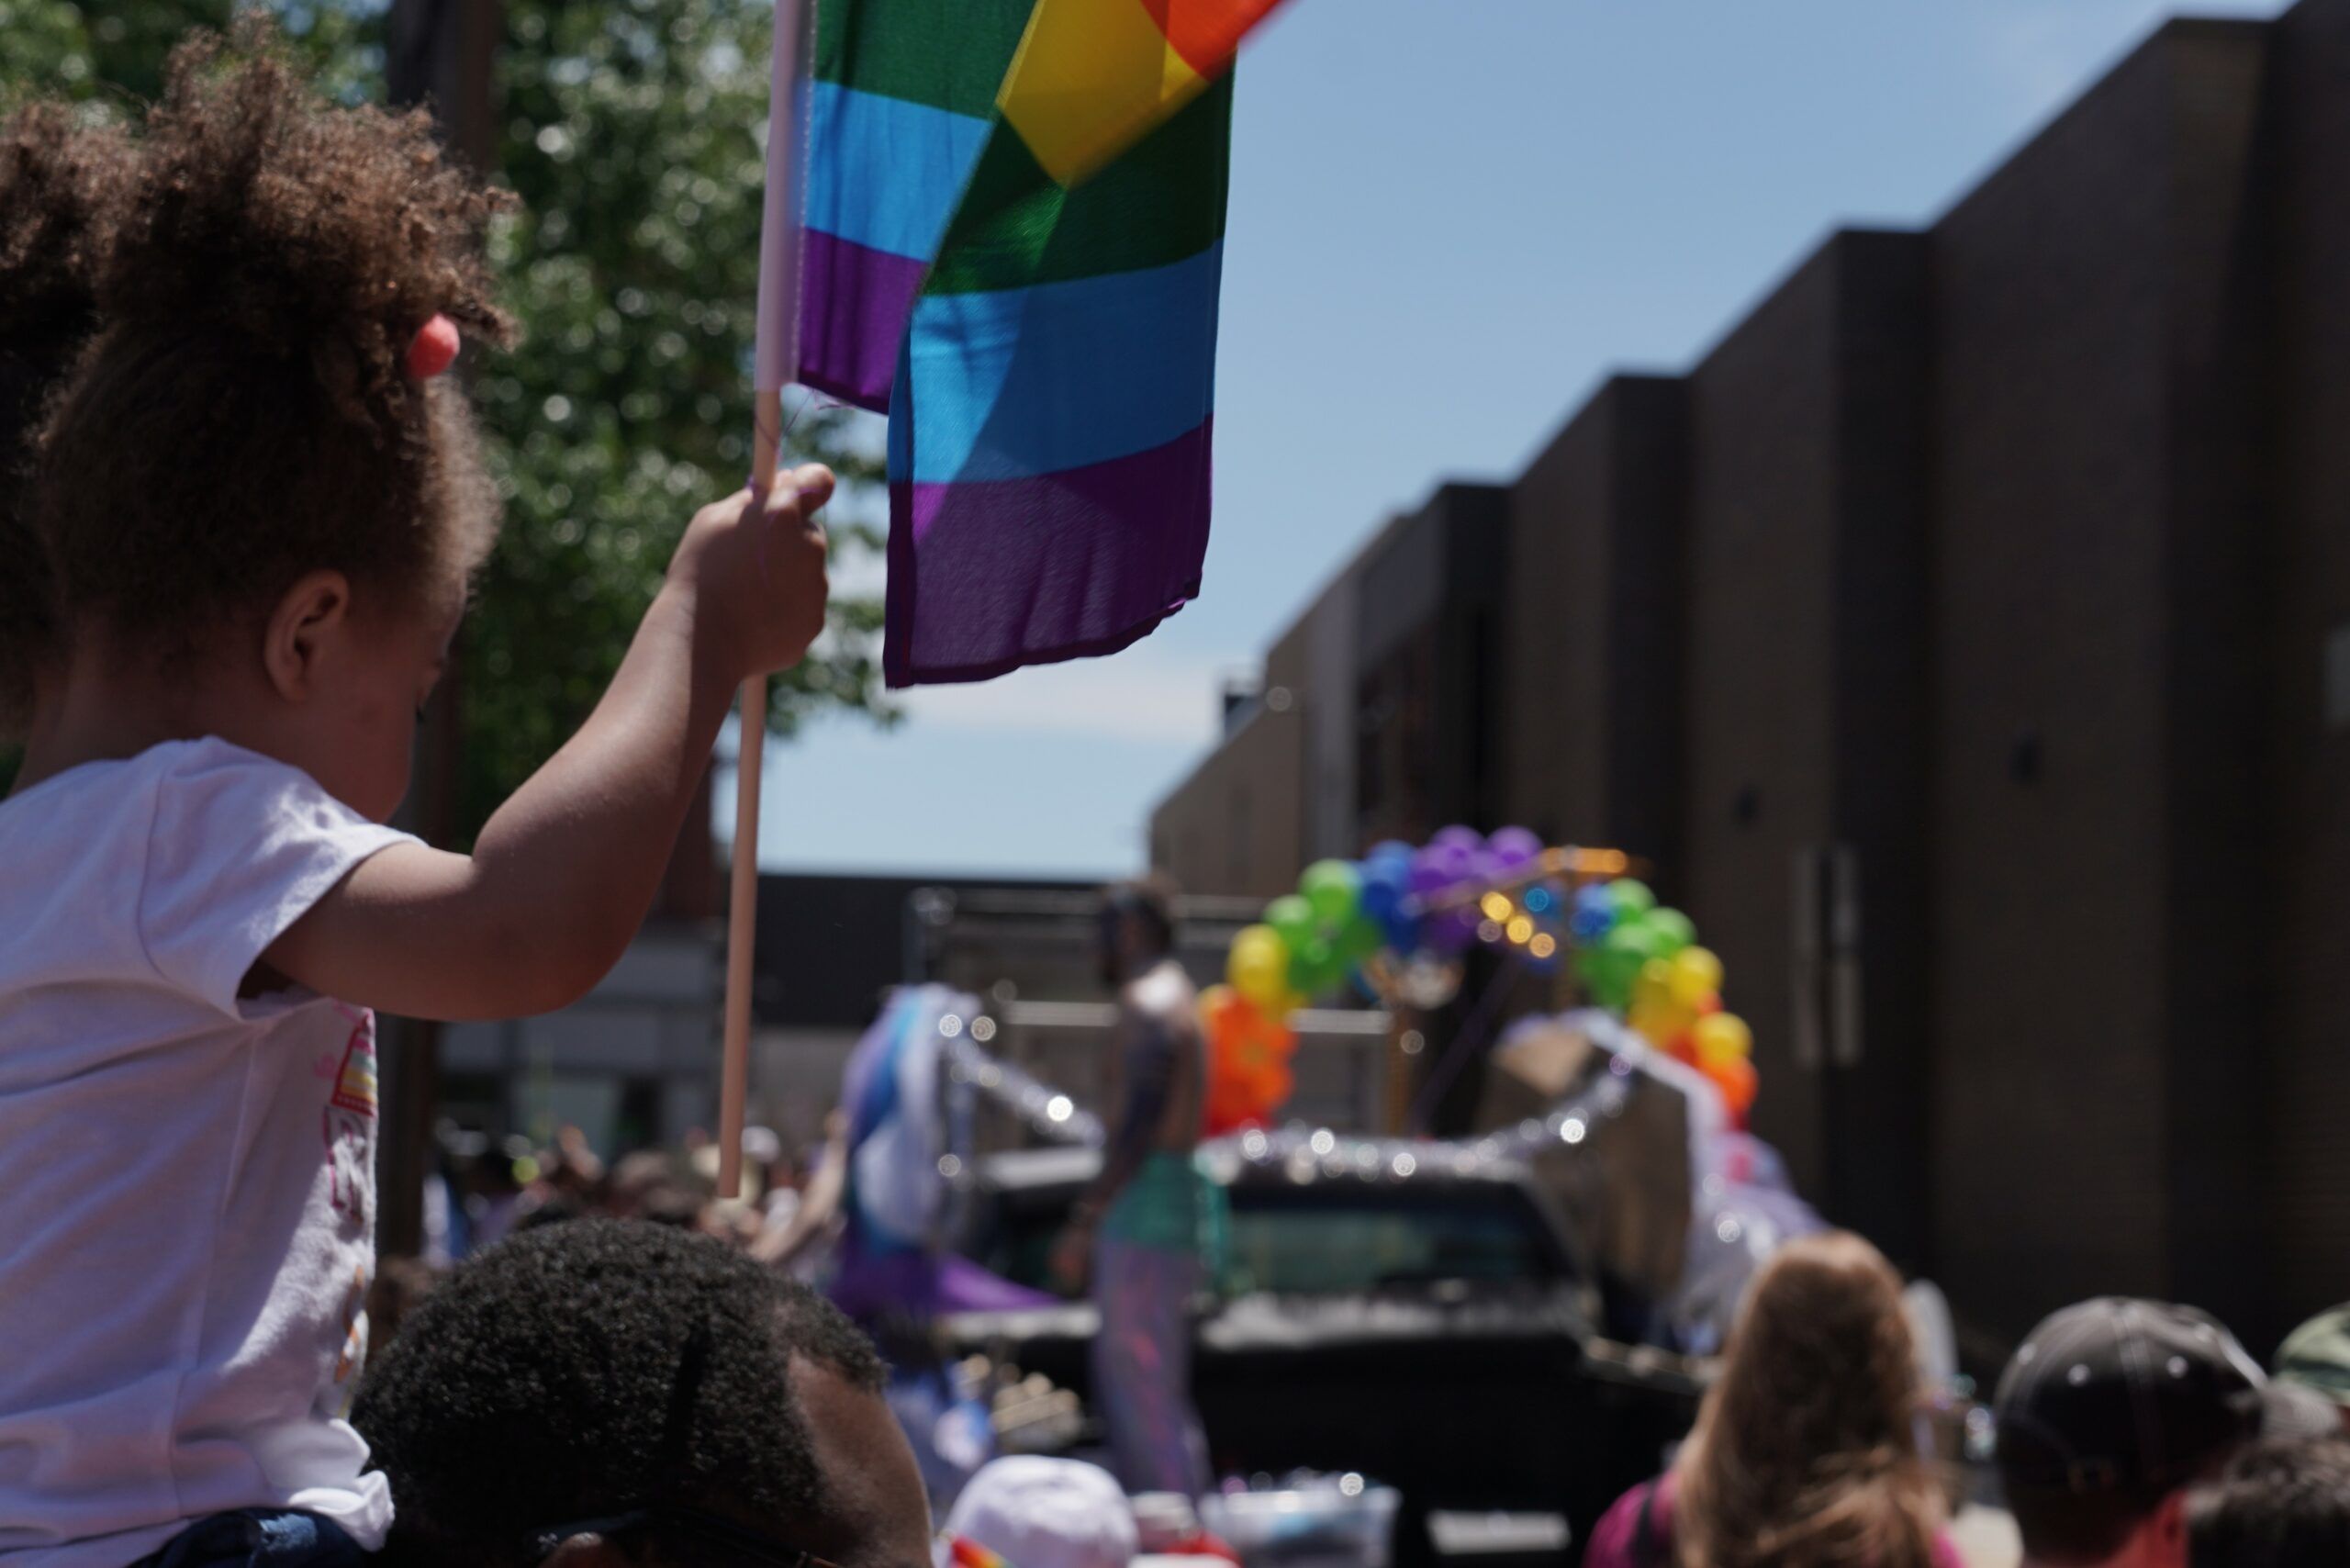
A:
100,710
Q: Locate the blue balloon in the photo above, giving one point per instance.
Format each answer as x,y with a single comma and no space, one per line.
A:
1400,928
1381,891
1594,914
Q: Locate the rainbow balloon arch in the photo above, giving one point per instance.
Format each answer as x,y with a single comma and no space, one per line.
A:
1399,922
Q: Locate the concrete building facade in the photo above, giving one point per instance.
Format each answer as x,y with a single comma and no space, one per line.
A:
1967,639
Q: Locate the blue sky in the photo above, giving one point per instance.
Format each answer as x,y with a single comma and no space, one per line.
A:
1448,221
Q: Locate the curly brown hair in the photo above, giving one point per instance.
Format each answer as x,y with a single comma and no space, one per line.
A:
62,189
244,414
1805,1454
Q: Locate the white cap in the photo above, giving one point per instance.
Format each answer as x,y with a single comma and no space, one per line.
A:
1163,1519
1036,1512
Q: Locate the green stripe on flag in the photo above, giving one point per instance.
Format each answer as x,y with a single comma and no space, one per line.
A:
950,54
1162,201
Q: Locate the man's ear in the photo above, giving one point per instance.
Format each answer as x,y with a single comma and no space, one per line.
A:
306,615
587,1552
2164,1534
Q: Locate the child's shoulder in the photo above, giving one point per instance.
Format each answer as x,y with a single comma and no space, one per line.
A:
98,781
180,863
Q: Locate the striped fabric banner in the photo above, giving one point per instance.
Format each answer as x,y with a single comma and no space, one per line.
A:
901,102
1014,229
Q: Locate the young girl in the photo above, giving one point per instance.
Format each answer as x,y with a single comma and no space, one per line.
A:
258,511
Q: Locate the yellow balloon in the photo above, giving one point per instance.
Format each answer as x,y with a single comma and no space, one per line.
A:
1653,989
1722,1039
1664,1024
1696,974
1259,967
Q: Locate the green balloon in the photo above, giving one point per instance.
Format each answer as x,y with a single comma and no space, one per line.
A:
1673,929
1335,889
1314,969
1293,918
1360,939
1632,897
1637,940
1607,974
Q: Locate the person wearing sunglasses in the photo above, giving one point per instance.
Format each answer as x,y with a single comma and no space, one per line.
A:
604,1392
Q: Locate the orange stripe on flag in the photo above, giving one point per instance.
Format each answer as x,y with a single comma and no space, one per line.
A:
1206,33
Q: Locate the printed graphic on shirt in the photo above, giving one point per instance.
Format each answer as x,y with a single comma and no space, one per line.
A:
351,1123
355,1349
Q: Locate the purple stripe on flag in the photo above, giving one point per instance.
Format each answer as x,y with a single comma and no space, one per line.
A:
988,576
774,353
854,303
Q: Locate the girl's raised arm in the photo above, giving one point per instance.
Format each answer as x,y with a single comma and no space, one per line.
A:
563,874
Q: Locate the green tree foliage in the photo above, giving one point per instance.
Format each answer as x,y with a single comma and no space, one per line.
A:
112,52
633,134
633,131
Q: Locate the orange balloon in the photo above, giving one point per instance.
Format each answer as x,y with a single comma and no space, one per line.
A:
1249,1077
1735,1078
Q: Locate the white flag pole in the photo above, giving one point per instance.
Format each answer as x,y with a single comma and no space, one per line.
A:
776,350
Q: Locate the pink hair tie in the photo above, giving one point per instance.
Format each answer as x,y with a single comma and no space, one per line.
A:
433,349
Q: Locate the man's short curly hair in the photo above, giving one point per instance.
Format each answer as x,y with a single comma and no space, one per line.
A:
585,1370
245,414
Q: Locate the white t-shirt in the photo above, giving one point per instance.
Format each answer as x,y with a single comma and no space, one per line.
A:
186,1179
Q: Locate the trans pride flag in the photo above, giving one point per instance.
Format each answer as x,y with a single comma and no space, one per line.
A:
1014,225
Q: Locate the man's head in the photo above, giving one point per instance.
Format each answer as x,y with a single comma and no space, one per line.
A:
2108,1411
1135,927
605,1393
2279,1504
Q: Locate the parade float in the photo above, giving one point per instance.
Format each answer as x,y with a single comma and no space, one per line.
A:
1398,924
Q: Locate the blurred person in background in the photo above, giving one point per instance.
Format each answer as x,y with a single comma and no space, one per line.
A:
2111,1412
1805,1453
1147,1226
2277,1504
1031,1511
2316,1357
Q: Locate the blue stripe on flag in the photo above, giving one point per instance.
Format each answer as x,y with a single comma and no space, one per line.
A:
887,172
1030,381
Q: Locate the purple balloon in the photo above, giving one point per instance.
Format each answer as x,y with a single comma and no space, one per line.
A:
1429,872
1456,860
1466,837
1514,849
1454,931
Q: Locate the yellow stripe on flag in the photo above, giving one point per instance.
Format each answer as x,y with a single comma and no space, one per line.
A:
1091,78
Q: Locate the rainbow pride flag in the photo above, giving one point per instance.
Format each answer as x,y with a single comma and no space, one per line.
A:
1014,226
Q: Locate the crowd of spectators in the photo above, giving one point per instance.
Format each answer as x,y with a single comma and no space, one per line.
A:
486,1188
711,1408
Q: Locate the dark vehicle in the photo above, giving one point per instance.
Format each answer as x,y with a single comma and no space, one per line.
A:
1437,1334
